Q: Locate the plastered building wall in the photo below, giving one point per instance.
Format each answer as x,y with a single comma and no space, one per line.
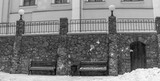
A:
46,10
1,6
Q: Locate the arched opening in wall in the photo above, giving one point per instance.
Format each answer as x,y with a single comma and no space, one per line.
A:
138,55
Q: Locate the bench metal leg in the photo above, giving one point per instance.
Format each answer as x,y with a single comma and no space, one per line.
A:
51,72
80,73
29,72
55,71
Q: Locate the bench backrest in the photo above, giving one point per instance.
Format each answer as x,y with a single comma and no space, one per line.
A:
93,64
43,63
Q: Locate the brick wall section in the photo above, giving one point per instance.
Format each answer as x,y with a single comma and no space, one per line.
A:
124,41
113,54
158,36
78,48
16,55
6,46
63,64
112,25
113,65
38,48
86,47
157,20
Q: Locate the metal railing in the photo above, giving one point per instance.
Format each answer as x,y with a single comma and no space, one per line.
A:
88,25
124,25
37,27
7,28
135,25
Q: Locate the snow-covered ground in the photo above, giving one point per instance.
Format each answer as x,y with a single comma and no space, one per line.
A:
152,74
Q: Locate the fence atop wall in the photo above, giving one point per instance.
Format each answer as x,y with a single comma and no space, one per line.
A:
135,25
88,25
123,25
7,28
37,27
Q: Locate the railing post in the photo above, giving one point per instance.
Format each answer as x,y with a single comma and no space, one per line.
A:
112,25
7,28
15,57
157,24
113,55
63,26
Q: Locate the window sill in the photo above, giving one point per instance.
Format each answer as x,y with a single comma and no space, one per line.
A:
132,2
33,6
63,4
95,3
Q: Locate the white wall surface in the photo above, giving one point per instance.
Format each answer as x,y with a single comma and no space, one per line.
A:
76,9
1,9
156,5
46,10
51,15
6,10
15,17
119,13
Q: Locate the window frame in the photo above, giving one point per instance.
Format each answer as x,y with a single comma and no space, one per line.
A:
60,2
132,1
94,1
29,3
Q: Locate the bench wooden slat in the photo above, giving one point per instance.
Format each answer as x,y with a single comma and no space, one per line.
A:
93,69
93,66
42,68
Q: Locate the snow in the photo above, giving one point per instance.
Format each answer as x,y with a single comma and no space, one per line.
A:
151,74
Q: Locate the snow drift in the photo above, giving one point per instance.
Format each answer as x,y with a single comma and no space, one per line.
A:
151,74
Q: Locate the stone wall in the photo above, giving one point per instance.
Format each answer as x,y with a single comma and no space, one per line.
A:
6,46
158,37
124,41
38,48
88,47
73,48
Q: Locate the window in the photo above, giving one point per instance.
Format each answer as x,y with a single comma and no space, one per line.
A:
95,0
61,1
28,2
131,0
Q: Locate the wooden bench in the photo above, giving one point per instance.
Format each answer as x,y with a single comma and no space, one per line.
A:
43,66
93,68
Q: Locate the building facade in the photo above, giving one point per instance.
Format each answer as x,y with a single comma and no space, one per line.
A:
128,40
38,10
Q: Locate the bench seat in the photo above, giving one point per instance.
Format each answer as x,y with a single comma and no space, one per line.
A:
42,68
93,69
